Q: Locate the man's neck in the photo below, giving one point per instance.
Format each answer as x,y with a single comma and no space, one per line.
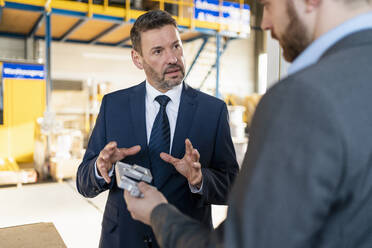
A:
155,86
174,88
333,13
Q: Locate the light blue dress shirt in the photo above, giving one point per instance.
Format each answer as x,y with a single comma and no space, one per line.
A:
316,49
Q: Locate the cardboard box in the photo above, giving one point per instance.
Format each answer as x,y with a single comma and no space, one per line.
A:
64,168
39,235
18,177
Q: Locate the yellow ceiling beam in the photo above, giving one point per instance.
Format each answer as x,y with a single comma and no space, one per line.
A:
122,13
75,6
84,7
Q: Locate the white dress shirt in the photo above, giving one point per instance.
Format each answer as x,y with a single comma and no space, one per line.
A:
152,109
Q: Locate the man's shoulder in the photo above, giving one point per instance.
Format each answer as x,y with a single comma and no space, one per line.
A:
333,71
340,64
203,97
125,92
330,79
297,88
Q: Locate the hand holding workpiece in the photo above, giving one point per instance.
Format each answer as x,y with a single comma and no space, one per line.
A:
141,208
109,155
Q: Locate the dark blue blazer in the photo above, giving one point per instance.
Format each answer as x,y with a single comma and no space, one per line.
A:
201,118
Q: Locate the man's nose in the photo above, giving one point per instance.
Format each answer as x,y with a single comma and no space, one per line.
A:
172,58
266,23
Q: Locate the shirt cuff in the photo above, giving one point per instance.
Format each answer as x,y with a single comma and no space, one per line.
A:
111,172
195,190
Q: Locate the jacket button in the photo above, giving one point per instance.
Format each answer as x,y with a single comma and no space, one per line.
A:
148,242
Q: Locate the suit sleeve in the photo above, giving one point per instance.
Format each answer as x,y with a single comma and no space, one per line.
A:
185,231
219,176
87,183
291,173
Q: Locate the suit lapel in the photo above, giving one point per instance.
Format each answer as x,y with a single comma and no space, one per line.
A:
185,117
184,122
138,117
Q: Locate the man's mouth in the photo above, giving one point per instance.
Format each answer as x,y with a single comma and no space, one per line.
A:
173,70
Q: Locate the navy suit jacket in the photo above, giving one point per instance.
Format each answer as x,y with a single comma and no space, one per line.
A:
201,118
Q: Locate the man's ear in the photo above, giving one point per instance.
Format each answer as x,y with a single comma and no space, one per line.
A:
137,59
311,5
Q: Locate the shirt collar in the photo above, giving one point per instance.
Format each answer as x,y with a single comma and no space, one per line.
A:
174,94
317,48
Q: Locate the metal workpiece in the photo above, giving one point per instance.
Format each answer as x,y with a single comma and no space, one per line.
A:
128,176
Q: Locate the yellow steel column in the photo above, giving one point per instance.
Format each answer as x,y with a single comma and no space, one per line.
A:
127,10
47,6
220,15
90,8
180,9
241,16
192,13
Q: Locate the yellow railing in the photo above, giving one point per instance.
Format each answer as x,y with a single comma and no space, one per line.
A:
181,10
126,13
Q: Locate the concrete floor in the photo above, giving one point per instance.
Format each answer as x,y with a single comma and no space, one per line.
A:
77,219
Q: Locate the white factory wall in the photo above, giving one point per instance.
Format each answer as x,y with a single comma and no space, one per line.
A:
11,48
237,68
114,65
95,63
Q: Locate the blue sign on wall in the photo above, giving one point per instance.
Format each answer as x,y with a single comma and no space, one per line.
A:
232,13
29,71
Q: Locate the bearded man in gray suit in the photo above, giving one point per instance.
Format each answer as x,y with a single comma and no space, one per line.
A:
307,175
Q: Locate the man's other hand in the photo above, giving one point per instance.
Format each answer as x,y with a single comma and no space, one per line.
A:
110,154
188,166
141,208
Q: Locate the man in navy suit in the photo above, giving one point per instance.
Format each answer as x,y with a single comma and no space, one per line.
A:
197,166
306,180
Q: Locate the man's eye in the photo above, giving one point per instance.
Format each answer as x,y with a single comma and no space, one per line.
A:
265,4
157,51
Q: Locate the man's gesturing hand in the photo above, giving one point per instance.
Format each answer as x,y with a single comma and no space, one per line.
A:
109,155
141,208
188,166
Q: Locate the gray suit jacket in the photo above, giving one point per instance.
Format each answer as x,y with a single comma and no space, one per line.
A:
307,175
